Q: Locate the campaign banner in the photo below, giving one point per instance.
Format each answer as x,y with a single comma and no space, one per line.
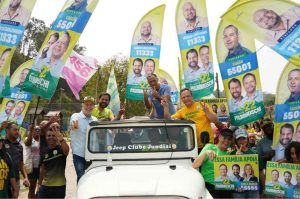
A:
165,78
14,17
112,89
78,70
283,180
287,110
236,172
65,31
275,23
219,107
195,48
15,105
238,64
144,53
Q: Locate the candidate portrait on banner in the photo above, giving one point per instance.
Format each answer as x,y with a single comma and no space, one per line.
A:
53,63
191,19
136,77
276,23
231,38
146,35
15,11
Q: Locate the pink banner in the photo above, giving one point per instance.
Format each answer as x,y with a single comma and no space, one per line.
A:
78,70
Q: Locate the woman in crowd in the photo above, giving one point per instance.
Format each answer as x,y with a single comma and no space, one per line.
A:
32,161
241,145
292,153
206,161
257,130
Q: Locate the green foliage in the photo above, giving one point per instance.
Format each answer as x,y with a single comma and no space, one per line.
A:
269,99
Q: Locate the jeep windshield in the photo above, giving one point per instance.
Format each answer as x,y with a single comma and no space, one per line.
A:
141,139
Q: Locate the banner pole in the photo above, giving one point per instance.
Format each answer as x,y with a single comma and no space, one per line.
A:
37,105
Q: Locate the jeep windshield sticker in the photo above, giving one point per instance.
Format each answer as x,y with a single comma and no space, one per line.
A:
147,147
141,139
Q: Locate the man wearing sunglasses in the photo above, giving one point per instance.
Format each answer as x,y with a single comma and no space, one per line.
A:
79,123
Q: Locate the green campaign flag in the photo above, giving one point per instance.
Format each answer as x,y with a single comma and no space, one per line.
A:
112,89
145,52
11,33
43,77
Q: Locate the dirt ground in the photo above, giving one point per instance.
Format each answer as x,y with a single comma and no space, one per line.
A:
71,180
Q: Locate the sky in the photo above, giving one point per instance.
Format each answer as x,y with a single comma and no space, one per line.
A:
111,26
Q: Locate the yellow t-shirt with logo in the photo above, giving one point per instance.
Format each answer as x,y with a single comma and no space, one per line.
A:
197,115
105,114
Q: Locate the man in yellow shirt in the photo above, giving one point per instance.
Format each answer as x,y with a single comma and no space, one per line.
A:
198,112
102,112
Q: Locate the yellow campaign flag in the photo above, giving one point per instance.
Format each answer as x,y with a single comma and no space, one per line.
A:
276,23
145,52
287,110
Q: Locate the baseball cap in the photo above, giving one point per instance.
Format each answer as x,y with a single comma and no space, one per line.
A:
226,133
240,133
89,99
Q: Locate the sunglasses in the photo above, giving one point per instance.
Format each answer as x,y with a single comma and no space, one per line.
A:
88,98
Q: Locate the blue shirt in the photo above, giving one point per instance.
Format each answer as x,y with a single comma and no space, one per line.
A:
239,50
235,105
258,96
45,64
78,136
293,98
163,90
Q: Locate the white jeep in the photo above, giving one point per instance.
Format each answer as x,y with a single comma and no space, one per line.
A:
141,158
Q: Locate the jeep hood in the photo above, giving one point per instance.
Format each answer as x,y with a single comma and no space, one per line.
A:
142,180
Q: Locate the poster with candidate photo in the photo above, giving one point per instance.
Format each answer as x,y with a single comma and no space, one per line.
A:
237,59
165,78
287,110
144,53
275,23
195,47
11,33
219,107
236,172
283,180
15,105
47,68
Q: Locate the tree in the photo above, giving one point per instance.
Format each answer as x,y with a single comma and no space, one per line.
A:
34,37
